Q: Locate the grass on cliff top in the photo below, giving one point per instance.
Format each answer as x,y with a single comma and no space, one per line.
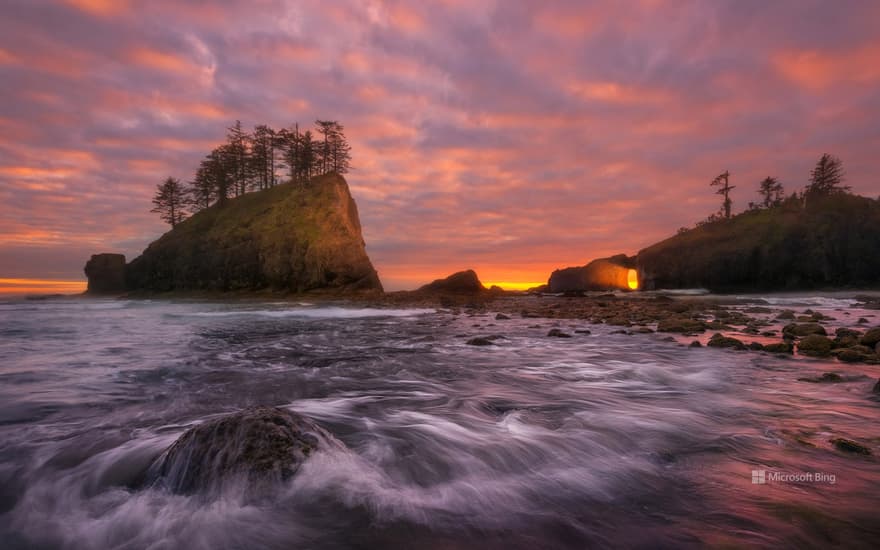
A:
303,208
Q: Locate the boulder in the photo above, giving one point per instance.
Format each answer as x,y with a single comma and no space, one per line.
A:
462,282
555,332
255,449
871,338
106,273
680,324
815,345
720,341
797,330
779,347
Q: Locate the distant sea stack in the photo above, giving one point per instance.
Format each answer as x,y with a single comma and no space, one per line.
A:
106,274
614,273
291,237
833,241
462,282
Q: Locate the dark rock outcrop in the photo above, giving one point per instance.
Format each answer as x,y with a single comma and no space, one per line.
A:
815,345
106,273
830,242
603,274
462,282
258,447
288,238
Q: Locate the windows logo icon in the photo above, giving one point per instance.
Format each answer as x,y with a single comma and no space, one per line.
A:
759,477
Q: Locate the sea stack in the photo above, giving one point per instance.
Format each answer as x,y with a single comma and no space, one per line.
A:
292,237
106,273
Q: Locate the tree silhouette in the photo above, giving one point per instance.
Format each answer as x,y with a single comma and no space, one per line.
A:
169,201
723,181
826,177
771,191
237,141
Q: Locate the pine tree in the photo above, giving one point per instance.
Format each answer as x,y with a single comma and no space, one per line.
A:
202,189
723,181
340,150
169,201
771,191
826,178
237,141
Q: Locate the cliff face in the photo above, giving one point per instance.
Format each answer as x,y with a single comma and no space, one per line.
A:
603,274
106,273
289,238
832,242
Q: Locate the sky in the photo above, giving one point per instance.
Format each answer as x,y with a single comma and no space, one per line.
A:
511,137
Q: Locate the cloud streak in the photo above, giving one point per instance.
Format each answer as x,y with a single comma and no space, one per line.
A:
507,136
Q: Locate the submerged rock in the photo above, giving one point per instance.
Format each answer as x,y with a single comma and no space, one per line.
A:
826,378
555,332
850,446
259,447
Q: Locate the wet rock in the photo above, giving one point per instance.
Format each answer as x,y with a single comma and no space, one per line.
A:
695,344
583,331
481,341
780,347
557,333
681,324
720,341
850,356
502,317
644,330
259,447
849,446
786,314
803,329
815,345
876,388
826,378
862,321
871,338
106,273
756,346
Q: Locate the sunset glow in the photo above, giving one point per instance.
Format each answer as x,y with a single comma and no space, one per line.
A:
41,286
454,110
632,279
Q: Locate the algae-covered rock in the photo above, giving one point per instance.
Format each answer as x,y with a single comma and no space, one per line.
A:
815,345
291,237
255,449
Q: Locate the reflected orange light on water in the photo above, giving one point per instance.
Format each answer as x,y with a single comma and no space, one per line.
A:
40,286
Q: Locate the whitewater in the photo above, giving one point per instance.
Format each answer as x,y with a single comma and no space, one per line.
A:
599,440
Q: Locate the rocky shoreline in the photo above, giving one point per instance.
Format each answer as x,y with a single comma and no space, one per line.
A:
745,324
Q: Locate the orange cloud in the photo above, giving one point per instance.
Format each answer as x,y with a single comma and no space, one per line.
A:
163,61
816,70
40,286
102,8
613,92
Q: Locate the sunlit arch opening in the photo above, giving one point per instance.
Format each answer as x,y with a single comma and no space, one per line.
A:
632,279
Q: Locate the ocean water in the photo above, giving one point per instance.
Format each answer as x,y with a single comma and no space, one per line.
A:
599,440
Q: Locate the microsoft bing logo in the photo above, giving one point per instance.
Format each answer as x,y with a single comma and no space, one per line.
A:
759,477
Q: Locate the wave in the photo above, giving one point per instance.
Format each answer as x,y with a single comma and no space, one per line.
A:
319,313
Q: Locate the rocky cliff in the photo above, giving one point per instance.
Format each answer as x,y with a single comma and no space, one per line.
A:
290,238
106,273
612,273
832,242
